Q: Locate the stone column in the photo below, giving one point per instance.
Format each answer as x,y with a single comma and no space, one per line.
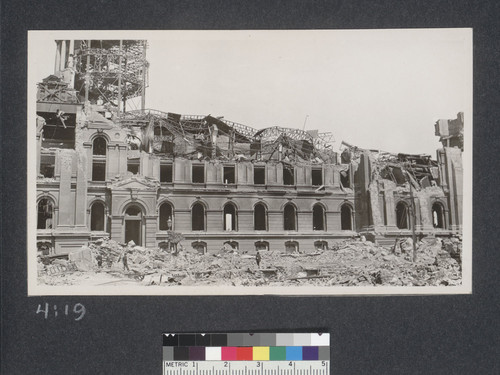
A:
57,63
62,64
81,189
66,203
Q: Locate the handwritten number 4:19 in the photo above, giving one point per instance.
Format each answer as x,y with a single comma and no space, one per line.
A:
78,309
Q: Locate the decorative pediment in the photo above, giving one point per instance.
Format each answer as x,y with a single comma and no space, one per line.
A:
136,183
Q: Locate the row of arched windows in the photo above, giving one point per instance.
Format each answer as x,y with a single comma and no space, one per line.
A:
290,246
230,216
198,217
260,222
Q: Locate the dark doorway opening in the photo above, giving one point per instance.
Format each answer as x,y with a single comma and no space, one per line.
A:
133,231
133,225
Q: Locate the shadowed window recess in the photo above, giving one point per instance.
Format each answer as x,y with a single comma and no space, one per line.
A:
45,214
97,216
198,217
319,218
290,217
230,217
260,217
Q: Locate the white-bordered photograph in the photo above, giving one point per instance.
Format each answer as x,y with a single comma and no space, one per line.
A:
311,162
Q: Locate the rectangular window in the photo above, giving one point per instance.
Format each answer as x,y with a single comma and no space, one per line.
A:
317,177
288,176
133,166
47,165
198,174
229,174
98,171
259,175
165,172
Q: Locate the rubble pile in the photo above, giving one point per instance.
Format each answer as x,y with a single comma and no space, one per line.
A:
353,262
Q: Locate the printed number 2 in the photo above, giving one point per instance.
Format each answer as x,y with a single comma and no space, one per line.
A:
225,364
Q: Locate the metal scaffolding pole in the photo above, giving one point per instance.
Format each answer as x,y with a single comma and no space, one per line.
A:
119,100
143,96
87,75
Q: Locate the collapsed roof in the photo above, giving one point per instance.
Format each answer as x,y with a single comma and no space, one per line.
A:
419,170
217,138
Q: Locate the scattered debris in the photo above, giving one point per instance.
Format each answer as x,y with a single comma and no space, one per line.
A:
349,263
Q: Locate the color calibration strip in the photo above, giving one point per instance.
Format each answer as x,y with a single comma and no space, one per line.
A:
246,347
246,354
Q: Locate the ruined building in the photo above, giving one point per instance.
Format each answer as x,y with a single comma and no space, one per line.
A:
108,167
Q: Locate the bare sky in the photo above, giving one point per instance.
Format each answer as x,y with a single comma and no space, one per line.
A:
379,89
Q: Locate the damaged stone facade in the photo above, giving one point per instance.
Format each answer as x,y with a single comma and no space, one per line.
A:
136,175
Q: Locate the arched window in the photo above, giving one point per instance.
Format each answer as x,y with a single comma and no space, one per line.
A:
231,245
45,214
291,247
261,245
199,246
44,248
319,217
198,217
259,217
99,147
230,222
346,217
402,215
321,245
97,216
438,219
290,217
166,217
